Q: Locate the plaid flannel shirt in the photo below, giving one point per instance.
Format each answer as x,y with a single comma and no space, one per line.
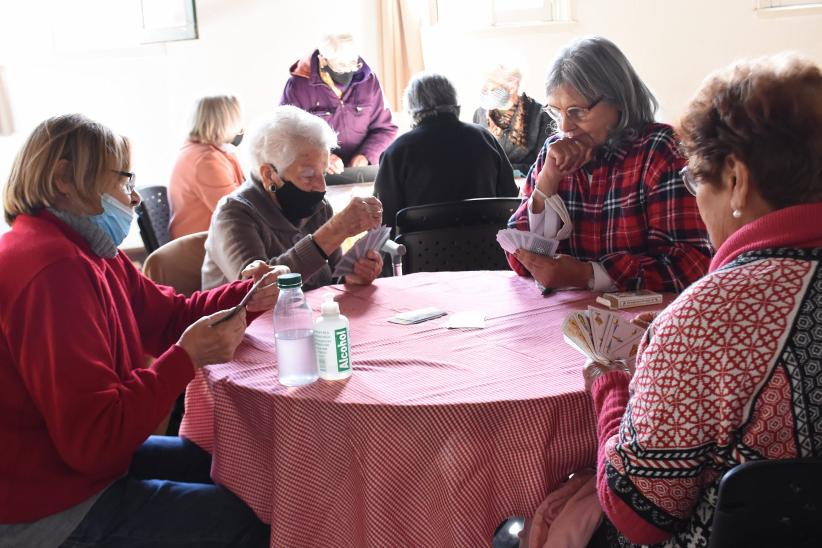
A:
635,217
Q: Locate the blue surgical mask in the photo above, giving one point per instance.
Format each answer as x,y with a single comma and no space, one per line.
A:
115,220
494,99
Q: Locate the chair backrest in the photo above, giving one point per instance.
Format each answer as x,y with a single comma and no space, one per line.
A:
454,236
178,263
770,503
153,215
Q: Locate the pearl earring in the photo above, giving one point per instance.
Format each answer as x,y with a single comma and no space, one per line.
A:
736,214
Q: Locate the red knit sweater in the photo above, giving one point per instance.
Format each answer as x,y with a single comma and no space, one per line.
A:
74,328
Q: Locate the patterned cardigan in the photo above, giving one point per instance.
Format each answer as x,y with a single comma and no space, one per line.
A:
730,372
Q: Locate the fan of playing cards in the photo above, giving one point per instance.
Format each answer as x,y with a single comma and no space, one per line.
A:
373,240
601,335
511,239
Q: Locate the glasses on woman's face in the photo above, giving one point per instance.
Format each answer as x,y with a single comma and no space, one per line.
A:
689,179
131,181
575,114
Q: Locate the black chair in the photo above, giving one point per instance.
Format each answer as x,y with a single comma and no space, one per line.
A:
454,236
153,215
770,503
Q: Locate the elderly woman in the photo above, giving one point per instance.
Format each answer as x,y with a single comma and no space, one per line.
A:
607,184
518,122
335,84
727,373
76,320
441,158
280,215
207,168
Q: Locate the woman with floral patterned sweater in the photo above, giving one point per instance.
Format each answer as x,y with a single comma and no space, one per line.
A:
727,373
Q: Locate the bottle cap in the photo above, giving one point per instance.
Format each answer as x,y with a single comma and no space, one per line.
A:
330,307
293,279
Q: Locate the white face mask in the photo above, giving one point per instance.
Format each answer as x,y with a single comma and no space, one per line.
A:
493,99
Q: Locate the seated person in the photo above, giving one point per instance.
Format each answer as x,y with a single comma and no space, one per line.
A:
76,320
207,168
280,214
607,184
720,376
517,121
335,84
441,159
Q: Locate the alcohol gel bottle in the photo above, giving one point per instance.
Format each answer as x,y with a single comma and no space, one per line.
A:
294,331
331,341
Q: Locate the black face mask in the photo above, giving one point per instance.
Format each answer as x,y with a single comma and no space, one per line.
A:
237,139
296,204
341,78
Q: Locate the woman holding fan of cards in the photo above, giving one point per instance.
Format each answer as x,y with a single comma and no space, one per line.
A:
728,372
280,216
607,184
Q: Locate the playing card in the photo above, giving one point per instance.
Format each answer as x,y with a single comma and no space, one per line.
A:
601,335
574,333
598,319
373,240
511,239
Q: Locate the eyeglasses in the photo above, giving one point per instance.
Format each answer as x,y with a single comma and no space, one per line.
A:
575,114
689,179
130,184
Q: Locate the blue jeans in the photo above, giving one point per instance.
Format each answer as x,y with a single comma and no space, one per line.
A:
167,499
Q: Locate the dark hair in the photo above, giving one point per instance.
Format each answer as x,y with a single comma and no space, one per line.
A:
768,113
429,94
597,69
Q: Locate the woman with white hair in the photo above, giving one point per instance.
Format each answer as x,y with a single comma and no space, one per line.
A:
441,159
207,168
335,84
607,184
518,122
280,215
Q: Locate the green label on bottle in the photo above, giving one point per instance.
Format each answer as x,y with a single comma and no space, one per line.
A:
343,349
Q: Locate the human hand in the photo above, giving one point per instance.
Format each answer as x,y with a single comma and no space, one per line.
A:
359,160
556,272
360,214
265,297
206,344
644,319
335,164
591,370
366,269
564,158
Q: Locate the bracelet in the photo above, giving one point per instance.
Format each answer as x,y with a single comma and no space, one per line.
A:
313,241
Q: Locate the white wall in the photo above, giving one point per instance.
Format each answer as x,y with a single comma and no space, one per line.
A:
673,44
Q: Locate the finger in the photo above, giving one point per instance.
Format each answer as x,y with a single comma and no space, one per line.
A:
255,269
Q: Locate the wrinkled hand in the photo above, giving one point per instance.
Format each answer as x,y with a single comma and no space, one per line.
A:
556,272
644,319
366,269
591,370
335,164
266,295
206,345
564,158
360,214
359,160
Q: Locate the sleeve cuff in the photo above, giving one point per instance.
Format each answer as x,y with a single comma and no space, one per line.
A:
602,280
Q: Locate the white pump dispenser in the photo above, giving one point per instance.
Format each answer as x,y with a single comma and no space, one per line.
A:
331,337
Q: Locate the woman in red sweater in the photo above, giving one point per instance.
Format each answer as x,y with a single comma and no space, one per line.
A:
729,372
77,404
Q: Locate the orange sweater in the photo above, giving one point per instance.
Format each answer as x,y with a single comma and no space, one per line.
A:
202,175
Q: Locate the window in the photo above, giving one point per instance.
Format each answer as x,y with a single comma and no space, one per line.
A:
486,13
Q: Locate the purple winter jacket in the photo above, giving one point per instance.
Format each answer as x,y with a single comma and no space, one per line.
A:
359,117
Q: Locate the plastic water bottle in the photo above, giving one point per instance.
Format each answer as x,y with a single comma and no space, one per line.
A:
331,340
294,331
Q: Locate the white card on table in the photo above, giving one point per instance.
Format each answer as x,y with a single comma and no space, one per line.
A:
466,320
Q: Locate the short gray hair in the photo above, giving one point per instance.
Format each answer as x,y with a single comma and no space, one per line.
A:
279,138
429,94
339,47
597,69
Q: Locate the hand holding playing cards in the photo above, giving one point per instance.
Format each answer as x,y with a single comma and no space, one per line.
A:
208,340
591,370
265,296
366,269
360,214
556,272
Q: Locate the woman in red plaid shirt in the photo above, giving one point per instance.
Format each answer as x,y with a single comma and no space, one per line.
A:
607,184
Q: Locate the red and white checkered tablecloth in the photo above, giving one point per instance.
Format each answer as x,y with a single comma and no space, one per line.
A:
438,435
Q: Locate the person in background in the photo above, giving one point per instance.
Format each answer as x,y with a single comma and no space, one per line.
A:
335,84
280,214
76,320
727,372
518,122
207,168
441,159
607,184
